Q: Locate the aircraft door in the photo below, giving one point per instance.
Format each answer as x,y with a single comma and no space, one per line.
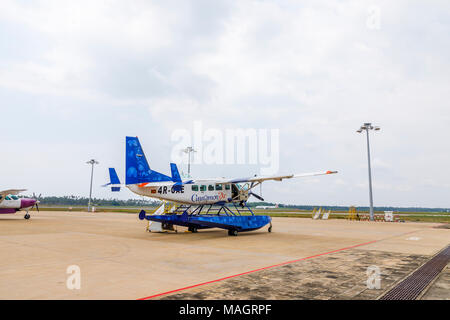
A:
239,193
234,192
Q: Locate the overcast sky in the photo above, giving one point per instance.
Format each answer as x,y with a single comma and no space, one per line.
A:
76,77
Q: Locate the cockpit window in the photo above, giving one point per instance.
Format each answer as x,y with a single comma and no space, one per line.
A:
7,198
15,197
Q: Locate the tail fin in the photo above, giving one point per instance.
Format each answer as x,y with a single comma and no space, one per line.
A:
137,168
114,181
175,174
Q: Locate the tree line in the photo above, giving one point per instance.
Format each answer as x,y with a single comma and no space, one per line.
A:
83,201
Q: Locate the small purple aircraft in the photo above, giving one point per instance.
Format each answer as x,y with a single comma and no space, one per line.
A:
11,203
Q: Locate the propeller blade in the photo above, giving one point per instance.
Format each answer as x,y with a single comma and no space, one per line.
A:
256,196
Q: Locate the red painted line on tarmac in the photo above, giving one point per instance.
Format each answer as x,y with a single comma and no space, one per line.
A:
251,271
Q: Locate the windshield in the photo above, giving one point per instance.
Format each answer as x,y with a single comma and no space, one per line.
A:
11,197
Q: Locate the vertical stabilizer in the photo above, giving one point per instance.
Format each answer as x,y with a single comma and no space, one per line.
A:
175,174
114,180
137,168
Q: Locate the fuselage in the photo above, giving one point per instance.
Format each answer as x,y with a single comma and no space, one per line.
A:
12,204
206,192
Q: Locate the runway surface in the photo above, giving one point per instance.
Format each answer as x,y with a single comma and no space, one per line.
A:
118,259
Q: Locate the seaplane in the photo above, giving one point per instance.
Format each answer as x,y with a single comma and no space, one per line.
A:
200,203
11,203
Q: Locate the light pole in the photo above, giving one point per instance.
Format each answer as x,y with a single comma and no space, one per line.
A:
189,150
366,127
91,162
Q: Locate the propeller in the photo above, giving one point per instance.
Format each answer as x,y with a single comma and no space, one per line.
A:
37,201
256,196
38,197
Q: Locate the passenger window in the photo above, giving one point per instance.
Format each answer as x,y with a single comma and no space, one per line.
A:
218,187
202,188
7,198
15,198
227,187
210,187
194,187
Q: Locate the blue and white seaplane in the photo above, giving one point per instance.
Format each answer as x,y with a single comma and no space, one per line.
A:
200,203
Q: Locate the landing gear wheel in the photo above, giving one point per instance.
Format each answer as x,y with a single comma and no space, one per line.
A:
27,216
232,233
270,229
192,229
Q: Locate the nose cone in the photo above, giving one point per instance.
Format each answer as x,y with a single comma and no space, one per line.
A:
25,203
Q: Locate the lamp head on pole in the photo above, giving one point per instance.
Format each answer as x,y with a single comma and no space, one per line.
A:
189,150
368,126
92,161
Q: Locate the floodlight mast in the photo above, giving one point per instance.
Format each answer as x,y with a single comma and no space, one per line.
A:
189,150
366,127
91,162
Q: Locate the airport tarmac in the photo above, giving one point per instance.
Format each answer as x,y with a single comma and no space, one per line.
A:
301,259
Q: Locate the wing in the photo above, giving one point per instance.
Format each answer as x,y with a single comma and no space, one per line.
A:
280,177
11,191
240,180
4,193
